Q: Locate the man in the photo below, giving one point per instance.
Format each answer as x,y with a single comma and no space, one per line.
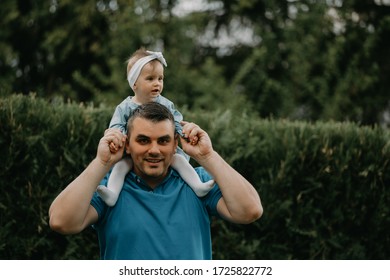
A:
157,215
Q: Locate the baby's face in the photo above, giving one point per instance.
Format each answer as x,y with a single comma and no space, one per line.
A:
150,82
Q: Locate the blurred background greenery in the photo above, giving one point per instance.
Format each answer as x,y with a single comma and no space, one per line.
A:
300,60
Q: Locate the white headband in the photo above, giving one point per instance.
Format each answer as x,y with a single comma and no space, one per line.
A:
140,63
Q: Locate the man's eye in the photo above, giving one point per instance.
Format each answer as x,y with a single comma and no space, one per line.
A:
164,141
143,141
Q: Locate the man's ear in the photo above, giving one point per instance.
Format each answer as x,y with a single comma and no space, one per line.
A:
127,146
176,140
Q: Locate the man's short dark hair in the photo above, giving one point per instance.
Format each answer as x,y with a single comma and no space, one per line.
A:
152,111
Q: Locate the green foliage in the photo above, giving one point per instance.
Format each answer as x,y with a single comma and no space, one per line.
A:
43,145
317,60
301,60
324,186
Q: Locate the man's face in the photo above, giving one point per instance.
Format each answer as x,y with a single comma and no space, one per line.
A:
151,146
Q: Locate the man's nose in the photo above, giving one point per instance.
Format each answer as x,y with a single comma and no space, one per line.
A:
154,148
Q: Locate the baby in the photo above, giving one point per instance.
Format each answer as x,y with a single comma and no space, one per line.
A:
145,74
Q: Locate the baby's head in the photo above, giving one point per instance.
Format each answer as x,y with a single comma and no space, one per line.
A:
140,53
138,60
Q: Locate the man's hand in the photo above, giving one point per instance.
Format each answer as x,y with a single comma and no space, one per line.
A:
111,146
197,143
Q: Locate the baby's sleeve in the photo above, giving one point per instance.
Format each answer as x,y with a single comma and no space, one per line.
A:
121,115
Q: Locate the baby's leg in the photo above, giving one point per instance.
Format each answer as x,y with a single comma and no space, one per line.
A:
188,173
115,182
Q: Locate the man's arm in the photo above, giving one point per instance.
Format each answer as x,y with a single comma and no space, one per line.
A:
240,202
71,211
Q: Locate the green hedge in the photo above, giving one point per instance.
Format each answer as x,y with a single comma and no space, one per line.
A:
43,147
324,186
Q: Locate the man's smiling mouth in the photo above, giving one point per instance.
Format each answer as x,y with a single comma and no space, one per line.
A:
153,160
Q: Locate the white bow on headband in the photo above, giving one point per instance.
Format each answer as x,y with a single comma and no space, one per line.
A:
140,63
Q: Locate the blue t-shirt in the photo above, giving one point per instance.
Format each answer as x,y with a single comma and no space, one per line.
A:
167,223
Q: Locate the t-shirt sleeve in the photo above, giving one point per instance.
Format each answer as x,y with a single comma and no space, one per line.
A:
98,203
178,117
121,115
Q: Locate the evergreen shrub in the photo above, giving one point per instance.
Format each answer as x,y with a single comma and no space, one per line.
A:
324,186
43,146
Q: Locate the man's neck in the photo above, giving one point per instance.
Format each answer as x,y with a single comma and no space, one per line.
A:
152,181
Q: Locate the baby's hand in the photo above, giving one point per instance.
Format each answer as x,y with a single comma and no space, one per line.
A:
113,147
194,140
